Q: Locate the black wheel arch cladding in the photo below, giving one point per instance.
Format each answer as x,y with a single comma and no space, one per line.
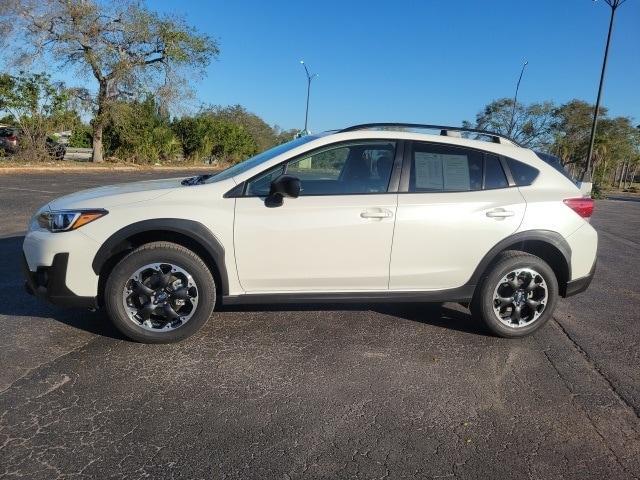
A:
546,244
196,232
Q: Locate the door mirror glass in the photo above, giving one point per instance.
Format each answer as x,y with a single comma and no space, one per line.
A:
281,187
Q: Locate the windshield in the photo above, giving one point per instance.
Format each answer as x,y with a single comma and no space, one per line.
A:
249,163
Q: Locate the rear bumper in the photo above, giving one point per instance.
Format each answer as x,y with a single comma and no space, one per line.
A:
579,285
49,283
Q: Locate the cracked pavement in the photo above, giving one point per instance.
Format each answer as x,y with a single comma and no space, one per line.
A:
397,391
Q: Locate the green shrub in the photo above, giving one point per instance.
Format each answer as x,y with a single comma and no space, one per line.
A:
206,138
80,137
596,191
140,133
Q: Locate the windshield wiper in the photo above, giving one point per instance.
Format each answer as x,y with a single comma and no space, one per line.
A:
197,180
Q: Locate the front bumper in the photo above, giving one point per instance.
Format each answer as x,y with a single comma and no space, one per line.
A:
50,283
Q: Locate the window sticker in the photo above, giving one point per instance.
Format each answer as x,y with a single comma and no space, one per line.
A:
439,171
428,171
456,172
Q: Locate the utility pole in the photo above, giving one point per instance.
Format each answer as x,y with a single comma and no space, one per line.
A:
309,78
614,4
515,100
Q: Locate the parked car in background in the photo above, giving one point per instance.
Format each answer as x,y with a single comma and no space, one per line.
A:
371,213
9,140
10,143
55,149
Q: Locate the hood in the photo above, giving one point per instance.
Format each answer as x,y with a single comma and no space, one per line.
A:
120,194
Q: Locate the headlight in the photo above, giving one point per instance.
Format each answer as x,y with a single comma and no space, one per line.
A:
65,220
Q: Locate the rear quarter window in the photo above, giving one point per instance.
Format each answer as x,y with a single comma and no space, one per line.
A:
522,173
556,163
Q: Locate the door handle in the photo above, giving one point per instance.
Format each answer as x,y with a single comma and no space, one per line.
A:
500,213
380,213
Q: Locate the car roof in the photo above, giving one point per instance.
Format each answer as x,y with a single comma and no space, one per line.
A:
445,130
506,149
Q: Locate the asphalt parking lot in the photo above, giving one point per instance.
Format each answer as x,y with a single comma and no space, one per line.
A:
403,391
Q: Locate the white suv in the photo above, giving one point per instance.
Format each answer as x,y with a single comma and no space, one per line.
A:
371,213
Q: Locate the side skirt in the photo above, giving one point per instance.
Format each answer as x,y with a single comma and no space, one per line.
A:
461,294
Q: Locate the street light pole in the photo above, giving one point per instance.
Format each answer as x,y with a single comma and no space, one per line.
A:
309,78
515,99
586,174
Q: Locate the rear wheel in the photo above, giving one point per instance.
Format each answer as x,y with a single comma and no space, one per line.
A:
160,293
517,295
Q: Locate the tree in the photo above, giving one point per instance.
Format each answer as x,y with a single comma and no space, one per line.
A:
124,46
206,137
571,126
617,146
140,132
284,136
263,134
531,126
36,105
617,142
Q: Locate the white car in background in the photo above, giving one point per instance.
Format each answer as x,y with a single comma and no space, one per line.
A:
371,213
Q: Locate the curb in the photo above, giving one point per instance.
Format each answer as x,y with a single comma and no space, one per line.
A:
120,168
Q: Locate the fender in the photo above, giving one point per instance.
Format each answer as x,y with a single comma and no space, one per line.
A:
196,231
517,241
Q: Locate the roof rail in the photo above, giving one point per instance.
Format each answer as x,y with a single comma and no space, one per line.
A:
495,137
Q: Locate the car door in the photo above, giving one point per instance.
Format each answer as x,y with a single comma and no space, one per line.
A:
336,236
457,204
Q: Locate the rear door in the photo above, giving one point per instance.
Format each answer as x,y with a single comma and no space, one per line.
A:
454,205
336,236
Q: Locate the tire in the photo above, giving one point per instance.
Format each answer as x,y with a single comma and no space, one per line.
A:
542,289
155,275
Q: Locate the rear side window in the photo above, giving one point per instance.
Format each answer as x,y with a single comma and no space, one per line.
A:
522,173
556,163
494,176
442,168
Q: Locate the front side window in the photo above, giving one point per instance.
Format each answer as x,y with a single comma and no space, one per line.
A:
261,185
345,169
443,168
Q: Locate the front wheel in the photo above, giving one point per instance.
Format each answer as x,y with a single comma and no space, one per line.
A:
161,292
517,295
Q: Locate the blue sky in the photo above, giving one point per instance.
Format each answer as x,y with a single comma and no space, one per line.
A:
429,61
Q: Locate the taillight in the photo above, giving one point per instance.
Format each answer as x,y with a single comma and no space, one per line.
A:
582,206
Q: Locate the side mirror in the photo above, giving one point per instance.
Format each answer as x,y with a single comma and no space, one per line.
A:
281,187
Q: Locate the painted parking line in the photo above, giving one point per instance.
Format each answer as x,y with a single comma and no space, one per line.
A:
27,190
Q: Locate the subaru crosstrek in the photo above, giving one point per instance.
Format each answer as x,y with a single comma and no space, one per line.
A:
371,213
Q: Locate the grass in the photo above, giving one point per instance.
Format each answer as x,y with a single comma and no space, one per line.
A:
9,166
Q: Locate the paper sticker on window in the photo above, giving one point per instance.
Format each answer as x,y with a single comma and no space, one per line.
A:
456,172
428,171
439,171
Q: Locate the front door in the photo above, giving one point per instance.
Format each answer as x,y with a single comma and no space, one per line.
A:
336,236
